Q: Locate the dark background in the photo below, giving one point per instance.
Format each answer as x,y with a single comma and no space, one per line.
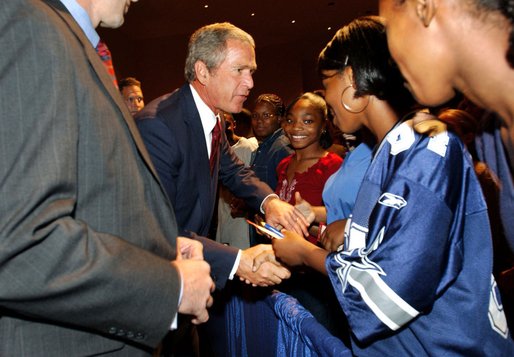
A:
152,43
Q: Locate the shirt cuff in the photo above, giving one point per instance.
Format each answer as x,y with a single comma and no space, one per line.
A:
174,323
236,265
264,200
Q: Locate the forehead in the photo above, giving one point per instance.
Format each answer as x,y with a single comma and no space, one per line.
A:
264,106
131,90
240,54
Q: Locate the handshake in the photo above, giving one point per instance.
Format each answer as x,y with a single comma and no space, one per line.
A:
197,284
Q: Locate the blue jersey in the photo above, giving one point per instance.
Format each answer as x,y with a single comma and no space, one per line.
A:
415,277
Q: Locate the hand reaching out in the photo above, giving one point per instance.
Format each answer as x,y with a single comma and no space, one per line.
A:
269,272
304,207
282,214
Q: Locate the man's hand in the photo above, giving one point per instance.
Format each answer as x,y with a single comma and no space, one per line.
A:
270,272
189,249
333,237
282,214
196,290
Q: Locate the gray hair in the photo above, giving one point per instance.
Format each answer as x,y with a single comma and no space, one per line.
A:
208,44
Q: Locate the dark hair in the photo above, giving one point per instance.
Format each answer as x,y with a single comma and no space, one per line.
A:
129,81
319,103
362,44
274,100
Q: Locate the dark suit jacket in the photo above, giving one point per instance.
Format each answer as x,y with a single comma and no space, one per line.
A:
172,131
86,230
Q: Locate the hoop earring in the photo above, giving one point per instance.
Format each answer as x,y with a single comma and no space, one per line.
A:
347,107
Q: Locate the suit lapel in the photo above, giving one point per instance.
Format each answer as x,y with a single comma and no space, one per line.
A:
105,80
199,150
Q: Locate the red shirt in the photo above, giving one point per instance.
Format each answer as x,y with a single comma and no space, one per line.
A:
309,183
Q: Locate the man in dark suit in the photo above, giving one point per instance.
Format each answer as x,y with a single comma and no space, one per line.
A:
177,129
90,262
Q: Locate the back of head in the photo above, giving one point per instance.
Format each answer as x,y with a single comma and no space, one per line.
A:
208,44
362,45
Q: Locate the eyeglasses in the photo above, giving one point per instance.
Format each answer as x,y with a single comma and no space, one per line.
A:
264,116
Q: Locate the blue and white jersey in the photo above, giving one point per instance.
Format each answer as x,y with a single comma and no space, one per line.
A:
415,277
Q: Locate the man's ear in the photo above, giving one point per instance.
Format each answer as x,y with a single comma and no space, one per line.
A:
425,9
202,72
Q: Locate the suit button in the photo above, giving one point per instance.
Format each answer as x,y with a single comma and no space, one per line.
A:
113,330
130,334
120,333
140,336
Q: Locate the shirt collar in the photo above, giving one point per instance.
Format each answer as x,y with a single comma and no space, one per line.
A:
207,116
80,15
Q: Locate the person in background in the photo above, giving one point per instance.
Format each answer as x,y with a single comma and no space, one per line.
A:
91,262
267,115
234,230
243,122
132,93
471,51
416,253
302,175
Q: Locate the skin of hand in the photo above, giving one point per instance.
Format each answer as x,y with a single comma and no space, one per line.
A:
333,236
197,287
294,250
270,272
304,207
238,208
282,214
426,123
189,249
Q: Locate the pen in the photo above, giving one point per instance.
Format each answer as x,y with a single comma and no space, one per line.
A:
271,228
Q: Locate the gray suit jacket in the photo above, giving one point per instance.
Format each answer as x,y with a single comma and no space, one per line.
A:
86,230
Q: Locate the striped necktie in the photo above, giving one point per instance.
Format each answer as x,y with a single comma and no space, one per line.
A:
105,56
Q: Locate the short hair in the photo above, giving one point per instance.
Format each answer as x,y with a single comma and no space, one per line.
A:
319,103
127,82
208,44
274,100
362,45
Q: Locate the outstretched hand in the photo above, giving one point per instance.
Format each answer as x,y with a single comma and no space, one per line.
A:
282,214
304,207
268,272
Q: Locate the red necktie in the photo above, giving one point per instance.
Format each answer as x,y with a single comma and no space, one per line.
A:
215,144
105,56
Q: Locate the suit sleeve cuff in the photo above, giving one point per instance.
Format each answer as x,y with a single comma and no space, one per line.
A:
274,195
